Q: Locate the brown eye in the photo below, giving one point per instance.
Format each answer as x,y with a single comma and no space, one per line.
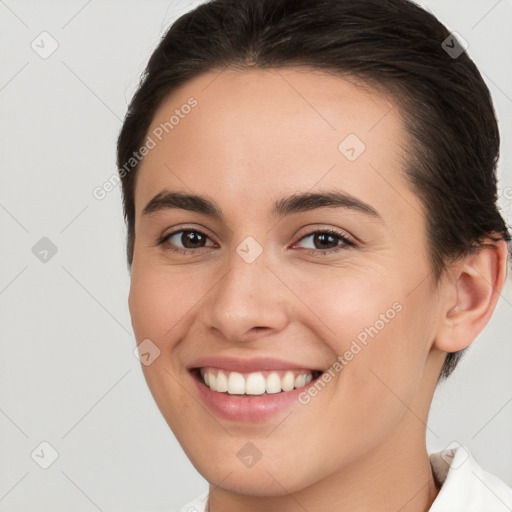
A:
185,240
192,239
327,241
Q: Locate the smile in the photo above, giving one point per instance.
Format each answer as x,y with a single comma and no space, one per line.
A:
256,383
250,390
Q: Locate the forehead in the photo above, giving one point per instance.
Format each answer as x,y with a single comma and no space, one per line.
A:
254,134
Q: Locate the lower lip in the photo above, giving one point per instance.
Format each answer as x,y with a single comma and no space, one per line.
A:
247,408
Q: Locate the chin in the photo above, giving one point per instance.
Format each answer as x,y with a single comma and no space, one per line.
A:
271,476
263,482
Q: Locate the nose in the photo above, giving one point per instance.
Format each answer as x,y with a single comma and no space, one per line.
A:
248,302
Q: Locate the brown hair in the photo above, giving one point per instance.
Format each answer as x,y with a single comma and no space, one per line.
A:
394,46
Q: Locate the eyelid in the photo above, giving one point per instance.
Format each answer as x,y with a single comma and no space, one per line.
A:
341,233
345,242
163,239
345,238
186,227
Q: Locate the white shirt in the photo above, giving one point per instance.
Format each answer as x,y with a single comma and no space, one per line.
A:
465,486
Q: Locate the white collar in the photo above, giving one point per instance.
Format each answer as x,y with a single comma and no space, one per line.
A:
466,487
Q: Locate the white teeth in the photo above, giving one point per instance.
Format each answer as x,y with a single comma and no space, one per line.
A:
236,384
222,382
288,381
254,383
300,381
273,384
213,381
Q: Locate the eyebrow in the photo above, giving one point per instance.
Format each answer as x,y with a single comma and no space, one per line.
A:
296,203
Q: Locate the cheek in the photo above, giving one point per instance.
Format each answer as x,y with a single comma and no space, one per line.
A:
352,306
160,301
379,332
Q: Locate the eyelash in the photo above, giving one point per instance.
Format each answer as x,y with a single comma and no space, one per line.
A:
347,243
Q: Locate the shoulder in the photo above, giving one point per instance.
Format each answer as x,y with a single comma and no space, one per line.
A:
196,505
466,486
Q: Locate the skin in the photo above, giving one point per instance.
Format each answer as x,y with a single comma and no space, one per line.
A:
257,136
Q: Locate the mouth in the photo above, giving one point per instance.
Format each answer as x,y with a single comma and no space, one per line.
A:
250,391
259,383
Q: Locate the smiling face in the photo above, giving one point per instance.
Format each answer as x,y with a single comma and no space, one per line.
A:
300,245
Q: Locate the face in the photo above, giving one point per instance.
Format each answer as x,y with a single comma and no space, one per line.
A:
296,278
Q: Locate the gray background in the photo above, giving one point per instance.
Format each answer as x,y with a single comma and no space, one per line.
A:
68,376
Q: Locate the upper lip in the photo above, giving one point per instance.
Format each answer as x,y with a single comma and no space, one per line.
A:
236,364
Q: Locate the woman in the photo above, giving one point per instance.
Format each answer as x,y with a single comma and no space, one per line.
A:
310,193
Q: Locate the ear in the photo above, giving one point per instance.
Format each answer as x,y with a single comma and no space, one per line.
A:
472,288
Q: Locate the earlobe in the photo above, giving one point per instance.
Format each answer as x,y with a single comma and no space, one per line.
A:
472,292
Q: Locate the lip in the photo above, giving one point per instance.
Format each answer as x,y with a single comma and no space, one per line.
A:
246,408
235,364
